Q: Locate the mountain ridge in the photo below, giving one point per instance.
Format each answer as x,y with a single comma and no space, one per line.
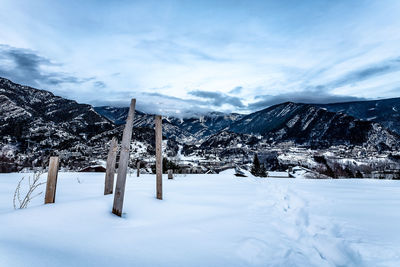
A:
35,124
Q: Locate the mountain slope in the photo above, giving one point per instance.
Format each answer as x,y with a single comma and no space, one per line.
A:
385,112
304,124
32,106
35,124
310,125
194,129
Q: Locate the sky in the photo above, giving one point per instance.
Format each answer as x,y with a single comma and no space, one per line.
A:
189,57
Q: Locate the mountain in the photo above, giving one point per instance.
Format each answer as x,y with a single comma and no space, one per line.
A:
117,115
35,124
204,126
188,130
313,126
24,109
385,111
271,120
305,124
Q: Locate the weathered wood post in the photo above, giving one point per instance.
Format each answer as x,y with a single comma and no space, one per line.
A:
158,129
138,169
123,161
110,167
51,181
170,176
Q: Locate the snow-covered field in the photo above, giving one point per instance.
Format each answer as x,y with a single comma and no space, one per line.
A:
205,220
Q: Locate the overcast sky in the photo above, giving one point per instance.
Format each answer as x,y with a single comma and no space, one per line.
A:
183,57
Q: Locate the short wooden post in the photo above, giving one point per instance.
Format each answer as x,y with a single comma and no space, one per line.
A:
110,167
138,169
123,161
51,181
170,176
158,129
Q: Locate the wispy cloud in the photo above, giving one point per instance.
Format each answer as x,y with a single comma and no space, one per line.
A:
192,56
99,84
367,72
236,90
27,67
174,52
218,99
309,97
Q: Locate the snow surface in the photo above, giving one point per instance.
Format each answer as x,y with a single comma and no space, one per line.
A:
204,220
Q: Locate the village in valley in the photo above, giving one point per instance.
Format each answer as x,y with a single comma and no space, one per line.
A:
199,133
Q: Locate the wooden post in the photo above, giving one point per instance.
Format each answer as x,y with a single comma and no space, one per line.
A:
51,181
110,167
123,161
158,129
138,168
170,176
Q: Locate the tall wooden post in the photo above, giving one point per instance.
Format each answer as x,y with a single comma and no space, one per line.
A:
51,181
138,168
158,128
110,167
123,161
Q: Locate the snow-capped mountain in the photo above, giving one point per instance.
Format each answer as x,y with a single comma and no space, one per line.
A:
35,124
385,111
314,126
25,109
306,124
191,130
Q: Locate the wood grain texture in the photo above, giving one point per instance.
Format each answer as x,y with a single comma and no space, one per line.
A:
123,161
110,167
158,129
52,180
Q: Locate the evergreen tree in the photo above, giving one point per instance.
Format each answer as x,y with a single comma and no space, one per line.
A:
359,174
170,165
263,171
255,169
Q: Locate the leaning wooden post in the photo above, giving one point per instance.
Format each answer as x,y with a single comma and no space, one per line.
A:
123,162
158,128
170,176
138,168
110,167
51,181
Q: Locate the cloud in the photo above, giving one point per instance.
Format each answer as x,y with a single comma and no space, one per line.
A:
157,103
218,99
368,72
24,66
321,94
236,90
309,97
173,51
272,49
99,84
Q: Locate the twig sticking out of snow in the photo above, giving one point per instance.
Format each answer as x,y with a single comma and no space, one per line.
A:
32,185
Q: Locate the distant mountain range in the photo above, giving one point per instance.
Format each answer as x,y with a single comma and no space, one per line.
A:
314,126
195,129
35,124
385,111
25,111
307,124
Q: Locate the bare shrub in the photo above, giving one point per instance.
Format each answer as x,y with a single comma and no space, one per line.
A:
24,199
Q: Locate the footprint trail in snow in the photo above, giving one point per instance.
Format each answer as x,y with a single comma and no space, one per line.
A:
292,236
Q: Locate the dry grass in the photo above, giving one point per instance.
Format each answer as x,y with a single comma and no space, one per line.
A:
21,200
